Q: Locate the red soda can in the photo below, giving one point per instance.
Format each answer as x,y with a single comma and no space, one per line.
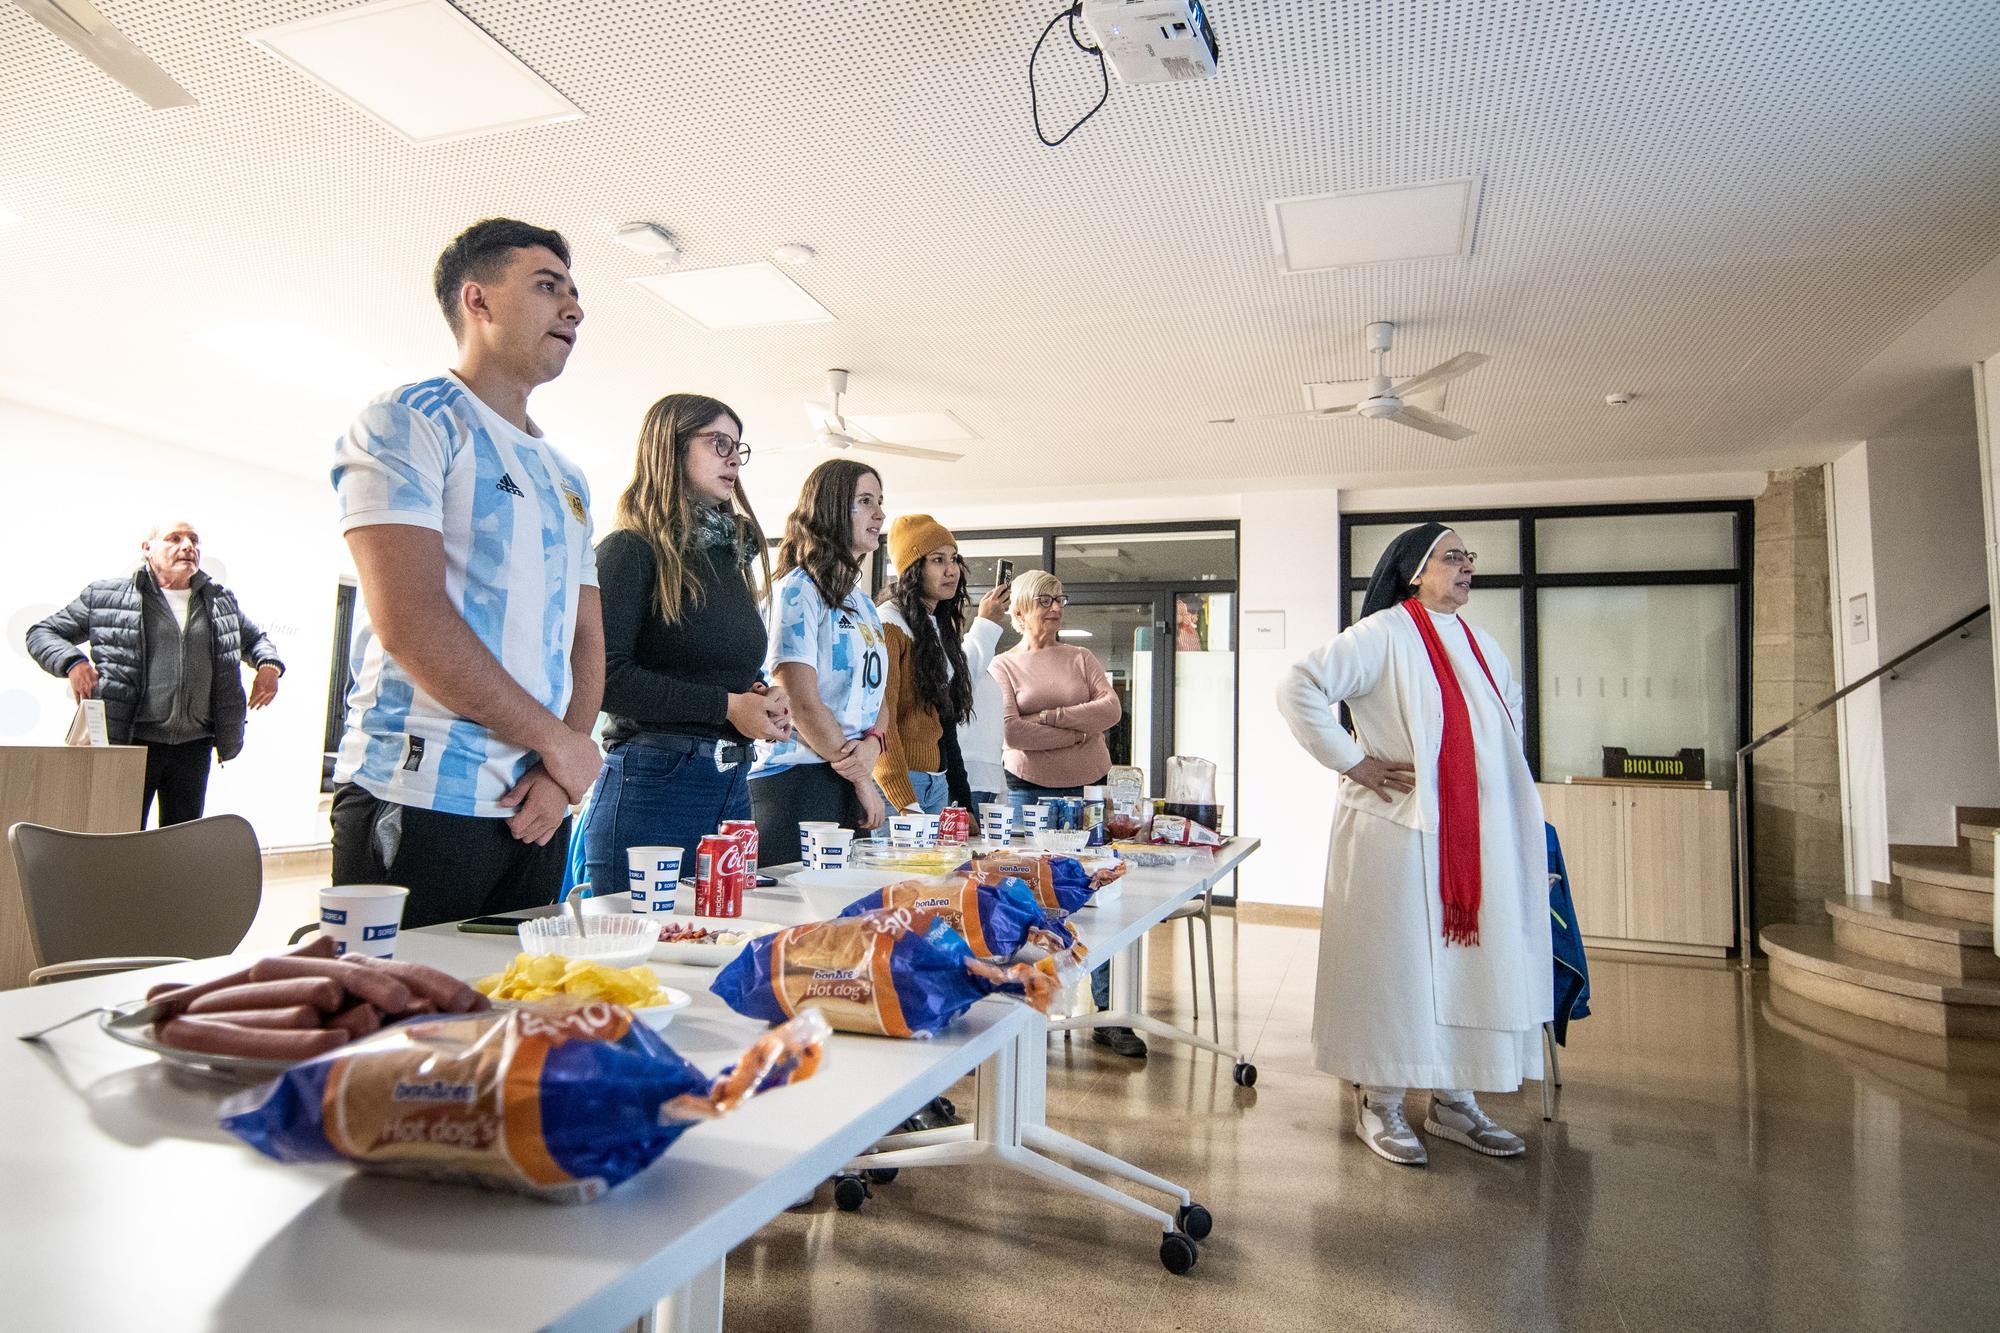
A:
954,824
718,862
746,831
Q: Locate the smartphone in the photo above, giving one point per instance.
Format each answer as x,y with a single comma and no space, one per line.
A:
501,925
1003,571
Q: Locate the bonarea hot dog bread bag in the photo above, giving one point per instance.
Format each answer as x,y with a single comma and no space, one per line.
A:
996,919
1059,882
876,973
560,1100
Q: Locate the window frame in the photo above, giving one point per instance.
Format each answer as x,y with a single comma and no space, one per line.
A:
1529,583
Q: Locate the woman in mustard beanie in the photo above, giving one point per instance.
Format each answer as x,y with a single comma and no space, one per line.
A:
933,660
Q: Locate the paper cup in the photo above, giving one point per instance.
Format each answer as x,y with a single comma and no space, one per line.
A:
907,830
363,918
809,831
1034,817
833,847
932,827
996,821
654,876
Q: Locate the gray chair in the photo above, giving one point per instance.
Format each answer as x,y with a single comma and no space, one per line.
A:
108,902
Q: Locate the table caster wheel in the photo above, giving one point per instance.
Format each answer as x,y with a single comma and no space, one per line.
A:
1195,1221
1245,1074
850,1192
1177,1252
881,1175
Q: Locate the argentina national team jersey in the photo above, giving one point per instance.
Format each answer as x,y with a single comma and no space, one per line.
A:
515,518
846,651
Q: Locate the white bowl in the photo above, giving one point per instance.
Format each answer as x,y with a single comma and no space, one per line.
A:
620,940
826,892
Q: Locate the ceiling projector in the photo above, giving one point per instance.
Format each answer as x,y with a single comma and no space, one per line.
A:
1153,41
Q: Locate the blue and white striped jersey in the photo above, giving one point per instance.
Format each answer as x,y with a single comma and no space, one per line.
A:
515,518
844,647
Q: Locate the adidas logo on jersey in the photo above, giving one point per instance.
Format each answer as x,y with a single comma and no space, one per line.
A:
845,623
506,483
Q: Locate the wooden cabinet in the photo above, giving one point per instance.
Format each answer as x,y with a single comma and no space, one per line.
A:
88,789
1649,866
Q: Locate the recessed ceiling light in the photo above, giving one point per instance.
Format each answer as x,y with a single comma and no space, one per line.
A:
420,67
736,296
1379,226
1074,634
7,218
794,254
649,239
297,354
913,427
1346,393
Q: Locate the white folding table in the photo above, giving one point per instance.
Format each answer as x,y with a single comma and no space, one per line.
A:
126,1206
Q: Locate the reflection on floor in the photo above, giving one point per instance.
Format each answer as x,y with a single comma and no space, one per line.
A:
1712,1165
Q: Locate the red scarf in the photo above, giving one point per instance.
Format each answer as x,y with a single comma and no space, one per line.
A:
1458,786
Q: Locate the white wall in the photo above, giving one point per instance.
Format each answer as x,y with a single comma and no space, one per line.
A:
1910,534
79,499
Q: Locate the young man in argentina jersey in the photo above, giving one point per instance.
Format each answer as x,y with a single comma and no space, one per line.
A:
479,660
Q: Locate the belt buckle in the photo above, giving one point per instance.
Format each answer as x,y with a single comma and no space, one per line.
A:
723,765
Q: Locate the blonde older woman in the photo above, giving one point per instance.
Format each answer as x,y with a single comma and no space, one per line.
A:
1056,703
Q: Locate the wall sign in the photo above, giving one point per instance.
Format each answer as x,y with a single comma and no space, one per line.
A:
1682,766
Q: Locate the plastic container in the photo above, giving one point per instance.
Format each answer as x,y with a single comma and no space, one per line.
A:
616,941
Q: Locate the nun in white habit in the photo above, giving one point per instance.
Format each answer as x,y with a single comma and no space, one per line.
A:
1434,952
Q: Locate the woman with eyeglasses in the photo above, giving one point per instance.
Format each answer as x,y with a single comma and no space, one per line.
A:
1056,703
934,660
683,643
827,652
1434,962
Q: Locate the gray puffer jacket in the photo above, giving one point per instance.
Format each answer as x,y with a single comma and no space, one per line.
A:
110,615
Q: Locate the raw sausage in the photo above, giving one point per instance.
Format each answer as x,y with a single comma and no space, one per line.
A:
210,1037
447,992
179,995
322,993
357,1020
363,983
290,1016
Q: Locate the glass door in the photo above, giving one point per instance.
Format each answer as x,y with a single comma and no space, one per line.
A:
1124,636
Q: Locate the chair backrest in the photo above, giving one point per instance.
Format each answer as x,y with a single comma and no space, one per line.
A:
189,890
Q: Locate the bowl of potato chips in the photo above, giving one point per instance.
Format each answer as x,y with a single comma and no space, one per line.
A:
535,977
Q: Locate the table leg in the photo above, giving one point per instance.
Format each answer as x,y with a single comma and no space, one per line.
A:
1128,986
696,1307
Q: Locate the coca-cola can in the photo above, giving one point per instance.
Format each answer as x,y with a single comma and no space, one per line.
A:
718,864
954,824
746,831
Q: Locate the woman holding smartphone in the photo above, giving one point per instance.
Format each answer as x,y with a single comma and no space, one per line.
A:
934,660
827,652
683,642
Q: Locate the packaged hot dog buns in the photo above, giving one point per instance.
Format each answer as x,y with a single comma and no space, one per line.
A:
877,973
996,919
561,1101
1059,882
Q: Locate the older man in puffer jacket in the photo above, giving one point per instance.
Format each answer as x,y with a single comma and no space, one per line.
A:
166,640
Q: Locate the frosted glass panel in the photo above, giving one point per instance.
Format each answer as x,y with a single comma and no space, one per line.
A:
1497,542
1205,689
1651,669
1498,612
1627,542
1146,557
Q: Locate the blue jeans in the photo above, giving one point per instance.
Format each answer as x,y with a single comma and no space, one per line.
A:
1021,792
932,793
647,796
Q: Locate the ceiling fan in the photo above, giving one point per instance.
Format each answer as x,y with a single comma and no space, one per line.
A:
832,430
103,45
1388,401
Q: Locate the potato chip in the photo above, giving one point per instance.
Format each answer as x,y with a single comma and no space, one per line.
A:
531,977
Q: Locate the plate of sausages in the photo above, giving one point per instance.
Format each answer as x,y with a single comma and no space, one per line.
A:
259,1021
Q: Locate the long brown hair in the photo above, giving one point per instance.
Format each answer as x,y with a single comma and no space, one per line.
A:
660,506
937,647
819,533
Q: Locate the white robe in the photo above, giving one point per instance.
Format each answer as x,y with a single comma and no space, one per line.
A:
1395,1005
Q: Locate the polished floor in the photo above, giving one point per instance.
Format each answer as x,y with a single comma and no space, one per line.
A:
1716,1161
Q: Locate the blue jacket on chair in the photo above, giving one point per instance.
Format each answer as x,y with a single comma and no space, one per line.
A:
1572,969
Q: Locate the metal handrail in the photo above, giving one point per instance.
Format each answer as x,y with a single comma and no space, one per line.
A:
1960,627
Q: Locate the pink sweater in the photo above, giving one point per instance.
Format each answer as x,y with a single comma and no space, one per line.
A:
1057,703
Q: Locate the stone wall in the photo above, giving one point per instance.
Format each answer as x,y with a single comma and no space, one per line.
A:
1798,856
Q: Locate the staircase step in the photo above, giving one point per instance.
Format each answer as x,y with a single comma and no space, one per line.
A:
1977,834
1895,932
1949,867
1806,961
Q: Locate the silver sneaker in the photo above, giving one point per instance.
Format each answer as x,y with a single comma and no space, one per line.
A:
1463,1122
1387,1133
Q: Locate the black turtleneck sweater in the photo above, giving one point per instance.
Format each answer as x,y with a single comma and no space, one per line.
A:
675,678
